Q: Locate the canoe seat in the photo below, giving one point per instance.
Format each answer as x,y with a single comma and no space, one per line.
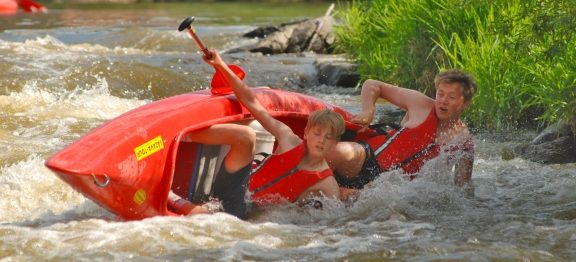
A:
208,162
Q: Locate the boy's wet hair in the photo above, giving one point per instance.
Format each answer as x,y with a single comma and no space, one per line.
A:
327,118
456,76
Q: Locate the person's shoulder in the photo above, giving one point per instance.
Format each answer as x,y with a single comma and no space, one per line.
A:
419,101
422,107
287,141
418,113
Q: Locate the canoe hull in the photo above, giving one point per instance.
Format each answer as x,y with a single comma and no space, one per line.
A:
128,164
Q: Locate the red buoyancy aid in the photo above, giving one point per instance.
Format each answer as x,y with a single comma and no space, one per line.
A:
407,148
278,178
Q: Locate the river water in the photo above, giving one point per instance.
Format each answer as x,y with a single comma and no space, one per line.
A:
68,71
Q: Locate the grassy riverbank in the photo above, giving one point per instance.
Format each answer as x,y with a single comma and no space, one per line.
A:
522,52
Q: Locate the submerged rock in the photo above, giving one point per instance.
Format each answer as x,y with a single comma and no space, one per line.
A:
336,70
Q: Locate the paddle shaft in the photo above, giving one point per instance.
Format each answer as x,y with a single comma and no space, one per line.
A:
219,84
198,42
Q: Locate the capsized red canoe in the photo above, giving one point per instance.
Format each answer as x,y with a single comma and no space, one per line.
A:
129,164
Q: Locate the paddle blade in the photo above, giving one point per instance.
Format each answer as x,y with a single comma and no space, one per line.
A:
219,84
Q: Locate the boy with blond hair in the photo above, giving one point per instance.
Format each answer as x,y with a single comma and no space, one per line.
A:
297,170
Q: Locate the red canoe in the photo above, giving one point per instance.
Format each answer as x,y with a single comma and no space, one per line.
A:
129,164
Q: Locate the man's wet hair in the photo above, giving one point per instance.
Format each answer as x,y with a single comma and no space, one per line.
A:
457,76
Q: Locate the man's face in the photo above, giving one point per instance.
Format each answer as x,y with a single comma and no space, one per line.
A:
450,102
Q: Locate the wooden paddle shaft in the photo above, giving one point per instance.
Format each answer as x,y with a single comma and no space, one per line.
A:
198,42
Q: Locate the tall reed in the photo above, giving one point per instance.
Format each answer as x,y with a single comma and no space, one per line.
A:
521,52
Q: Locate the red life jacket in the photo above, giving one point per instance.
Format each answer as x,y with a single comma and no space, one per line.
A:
407,148
278,178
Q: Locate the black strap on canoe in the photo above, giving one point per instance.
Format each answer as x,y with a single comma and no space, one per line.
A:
257,161
380,128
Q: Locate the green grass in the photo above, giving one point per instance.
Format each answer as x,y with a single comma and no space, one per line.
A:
521,52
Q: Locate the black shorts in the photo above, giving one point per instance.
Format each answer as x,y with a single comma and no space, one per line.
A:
231,190
370,170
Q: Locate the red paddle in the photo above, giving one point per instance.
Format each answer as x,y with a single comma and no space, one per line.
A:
219,85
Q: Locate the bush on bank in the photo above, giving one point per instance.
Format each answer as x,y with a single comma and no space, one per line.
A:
521,52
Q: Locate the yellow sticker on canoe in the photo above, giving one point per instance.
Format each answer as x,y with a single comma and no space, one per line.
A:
139,197
149,148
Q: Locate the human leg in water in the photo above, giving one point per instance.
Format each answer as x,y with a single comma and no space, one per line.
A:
230,188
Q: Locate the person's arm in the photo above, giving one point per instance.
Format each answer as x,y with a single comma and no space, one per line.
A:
285,136
463,168
327,187
464,159
408,99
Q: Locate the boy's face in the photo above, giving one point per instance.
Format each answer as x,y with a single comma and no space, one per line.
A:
450,102
320,140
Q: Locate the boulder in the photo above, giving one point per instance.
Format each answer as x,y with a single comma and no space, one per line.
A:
310,35
555,145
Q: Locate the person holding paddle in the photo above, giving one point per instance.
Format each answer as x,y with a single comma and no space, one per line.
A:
431,127
297,171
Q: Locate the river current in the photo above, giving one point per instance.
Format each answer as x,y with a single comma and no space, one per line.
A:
68,71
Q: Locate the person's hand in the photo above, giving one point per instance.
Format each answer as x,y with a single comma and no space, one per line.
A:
349,195
185,207
213,59
363,119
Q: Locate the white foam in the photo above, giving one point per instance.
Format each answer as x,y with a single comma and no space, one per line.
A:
29,190
51,47
93,101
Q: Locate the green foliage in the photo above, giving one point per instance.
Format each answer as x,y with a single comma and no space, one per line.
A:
521,52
